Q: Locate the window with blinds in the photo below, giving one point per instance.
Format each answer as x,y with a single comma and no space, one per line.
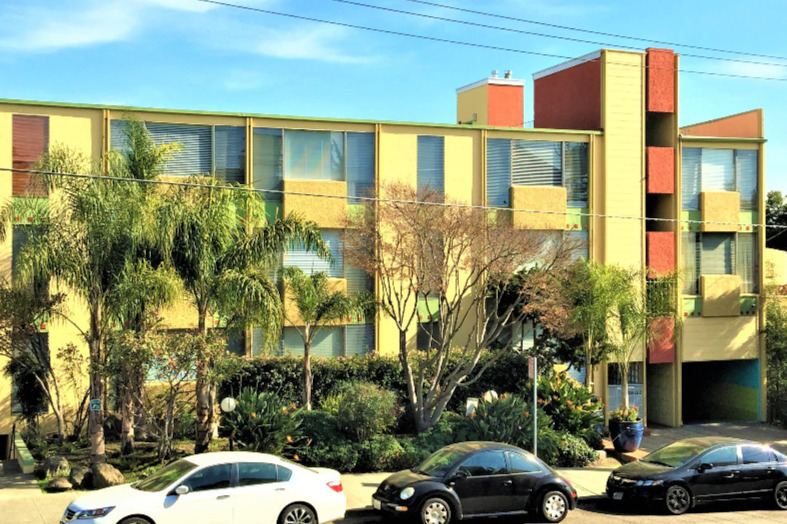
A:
29,140
719,254
229,153
536,163
746,261
313,155
298,256
327,343
706,169
360,166
431,163
267,162
358,339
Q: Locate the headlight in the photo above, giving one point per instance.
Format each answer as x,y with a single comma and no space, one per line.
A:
650,482
406,493
94,513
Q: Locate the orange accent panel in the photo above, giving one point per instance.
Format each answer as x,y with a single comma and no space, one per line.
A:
661,252
661,170
569,99
661,80
506,105
742,125
661,349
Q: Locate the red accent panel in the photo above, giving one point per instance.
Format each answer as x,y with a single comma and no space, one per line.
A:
569,99
661,349
506,105
30,138
661,252
661,80
661,170
742,125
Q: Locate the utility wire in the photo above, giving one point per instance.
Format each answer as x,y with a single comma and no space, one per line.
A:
376,199
600,33
467,44
542,35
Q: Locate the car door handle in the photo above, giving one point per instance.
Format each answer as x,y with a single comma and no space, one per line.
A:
222,497
732,474
508,483
279,489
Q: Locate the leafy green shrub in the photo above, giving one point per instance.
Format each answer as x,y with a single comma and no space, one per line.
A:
379,453
572,406
573,452
506,419
262,422
326,445
362,409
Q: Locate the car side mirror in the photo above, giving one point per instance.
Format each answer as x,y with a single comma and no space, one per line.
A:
459,475
182,490
705,466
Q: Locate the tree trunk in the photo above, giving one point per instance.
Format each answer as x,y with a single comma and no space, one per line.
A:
127,417
624,388
203,411
307,376
588,363
96,418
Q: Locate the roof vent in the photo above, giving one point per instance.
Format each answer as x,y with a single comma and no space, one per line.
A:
494,73
508,74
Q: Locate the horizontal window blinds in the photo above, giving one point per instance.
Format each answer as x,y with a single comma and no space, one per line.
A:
575,173
718,254
746,178
691,263
309,262
267,162
328,343
291,342
746,262
717,170
196,156
230,153
536,163
358,339
358,280
431,163
360,166
30,139
498,172
313,155
690,178
118,141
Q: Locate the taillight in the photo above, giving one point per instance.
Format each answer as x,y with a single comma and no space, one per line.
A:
336,485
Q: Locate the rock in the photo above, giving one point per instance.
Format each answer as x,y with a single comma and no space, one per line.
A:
58,484
55,465
105,475
80,477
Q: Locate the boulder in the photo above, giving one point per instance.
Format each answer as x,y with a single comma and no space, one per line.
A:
58,484
80,477
55,465
105,475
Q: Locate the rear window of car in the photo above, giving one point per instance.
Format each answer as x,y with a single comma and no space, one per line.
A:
521,464
757,454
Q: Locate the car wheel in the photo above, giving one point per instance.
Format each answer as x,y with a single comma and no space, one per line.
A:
135,520
297,514
553,507
780,495
677,500
435,511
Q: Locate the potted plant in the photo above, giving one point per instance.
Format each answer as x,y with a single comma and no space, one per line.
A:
626,428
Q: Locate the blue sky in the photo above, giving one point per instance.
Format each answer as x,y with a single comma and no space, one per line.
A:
187,54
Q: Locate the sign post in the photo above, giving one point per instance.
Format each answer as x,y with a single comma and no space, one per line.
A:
532,372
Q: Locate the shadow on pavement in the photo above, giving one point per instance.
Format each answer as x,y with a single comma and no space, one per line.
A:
603,505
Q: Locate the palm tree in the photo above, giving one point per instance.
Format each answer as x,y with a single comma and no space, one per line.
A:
218,241
318,306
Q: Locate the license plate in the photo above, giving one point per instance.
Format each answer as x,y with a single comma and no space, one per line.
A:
376,504
618,495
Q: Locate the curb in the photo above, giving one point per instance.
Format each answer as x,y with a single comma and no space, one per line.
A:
361,512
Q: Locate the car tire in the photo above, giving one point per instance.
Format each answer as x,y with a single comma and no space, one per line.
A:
435,510
553,506
677,500
135,520
780,495
298,514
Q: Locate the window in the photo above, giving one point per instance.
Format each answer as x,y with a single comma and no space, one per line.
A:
267,162
30,139
484,463
428,335
313,155
719,254
195,158
358,339
298,256
328,342
536,163
212,477
360,166
722,457
252,473
756,454
431,162
521,464
719,170
229,153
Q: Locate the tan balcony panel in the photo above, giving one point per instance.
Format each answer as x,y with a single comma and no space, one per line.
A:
721,295
720,206
539,198
327,211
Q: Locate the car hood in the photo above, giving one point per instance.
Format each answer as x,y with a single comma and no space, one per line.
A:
112,496
640,470
404,478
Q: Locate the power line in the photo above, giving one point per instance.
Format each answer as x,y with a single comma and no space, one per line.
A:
378,199
600,33
463,43
542,35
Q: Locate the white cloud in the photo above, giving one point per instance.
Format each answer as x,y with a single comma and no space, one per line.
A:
757,70
320,44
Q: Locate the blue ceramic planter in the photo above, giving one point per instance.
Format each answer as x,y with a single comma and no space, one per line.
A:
626,436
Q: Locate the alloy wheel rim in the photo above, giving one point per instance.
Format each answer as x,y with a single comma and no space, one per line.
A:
554,507
298,516
678,499
781,497
435,513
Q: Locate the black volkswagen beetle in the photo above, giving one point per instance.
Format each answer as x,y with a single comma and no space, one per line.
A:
705,469
476,479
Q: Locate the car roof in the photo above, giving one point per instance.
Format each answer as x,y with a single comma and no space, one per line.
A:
479,445
222,457
715,441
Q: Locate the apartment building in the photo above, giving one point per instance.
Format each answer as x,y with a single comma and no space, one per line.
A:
605,150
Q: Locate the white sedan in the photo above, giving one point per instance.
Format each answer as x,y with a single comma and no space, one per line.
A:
224,487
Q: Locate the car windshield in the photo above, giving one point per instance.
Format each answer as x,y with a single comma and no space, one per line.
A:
677,453
165,476
439,462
